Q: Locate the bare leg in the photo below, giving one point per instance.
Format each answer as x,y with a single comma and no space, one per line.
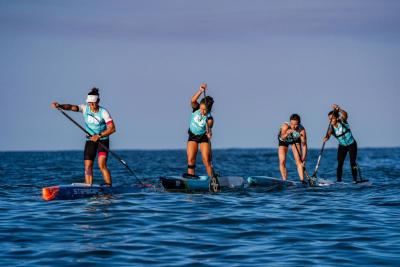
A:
205,149
191,156
89,172
282,150
296,156
102,161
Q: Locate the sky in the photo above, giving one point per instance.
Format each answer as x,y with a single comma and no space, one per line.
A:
262,60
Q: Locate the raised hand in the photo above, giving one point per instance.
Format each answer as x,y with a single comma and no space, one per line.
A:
203,87
335,107
55,105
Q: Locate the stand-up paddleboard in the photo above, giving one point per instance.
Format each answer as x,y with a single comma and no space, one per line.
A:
360,183
265,181
81,190
189,184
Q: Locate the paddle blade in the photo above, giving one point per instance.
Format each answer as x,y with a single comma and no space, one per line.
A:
361,181
214,185
312,182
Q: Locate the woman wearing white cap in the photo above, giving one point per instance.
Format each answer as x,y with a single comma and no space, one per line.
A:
100,125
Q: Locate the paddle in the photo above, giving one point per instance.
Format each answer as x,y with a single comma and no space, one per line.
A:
360,176
103,146
310,180
214,183
320,154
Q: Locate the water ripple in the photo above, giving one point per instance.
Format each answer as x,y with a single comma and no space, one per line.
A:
339,225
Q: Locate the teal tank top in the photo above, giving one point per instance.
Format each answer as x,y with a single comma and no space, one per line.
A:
343,133
94,122
295,136
198,123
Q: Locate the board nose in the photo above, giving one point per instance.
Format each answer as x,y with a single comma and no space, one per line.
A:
49,193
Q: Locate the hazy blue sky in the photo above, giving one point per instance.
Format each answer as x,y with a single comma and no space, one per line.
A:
263,60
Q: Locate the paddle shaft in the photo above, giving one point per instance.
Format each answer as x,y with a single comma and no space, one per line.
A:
320,153
103,146
209,141
318,161
304,167
322,150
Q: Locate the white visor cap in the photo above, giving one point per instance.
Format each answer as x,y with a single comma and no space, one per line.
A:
92,98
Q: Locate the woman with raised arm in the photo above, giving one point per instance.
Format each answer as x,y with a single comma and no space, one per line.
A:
340,128
294,134
201,123
100,125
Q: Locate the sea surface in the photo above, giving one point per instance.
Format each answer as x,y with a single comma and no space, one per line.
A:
339,225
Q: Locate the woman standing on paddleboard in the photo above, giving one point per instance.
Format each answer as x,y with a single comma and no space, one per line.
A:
347,144
100,125
294,134
201,123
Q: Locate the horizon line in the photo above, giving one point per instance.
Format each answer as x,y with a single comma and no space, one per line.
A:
179,149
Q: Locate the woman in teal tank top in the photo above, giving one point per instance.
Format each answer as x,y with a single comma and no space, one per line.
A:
294,134
100,125
347,144
200,125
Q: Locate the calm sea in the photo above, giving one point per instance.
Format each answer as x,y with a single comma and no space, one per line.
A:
331,226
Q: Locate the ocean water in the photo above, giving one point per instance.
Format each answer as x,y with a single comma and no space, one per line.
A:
342,225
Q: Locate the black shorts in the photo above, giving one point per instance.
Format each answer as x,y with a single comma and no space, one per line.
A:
286,144
92,147
198,138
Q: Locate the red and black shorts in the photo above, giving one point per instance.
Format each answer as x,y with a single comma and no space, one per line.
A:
91,148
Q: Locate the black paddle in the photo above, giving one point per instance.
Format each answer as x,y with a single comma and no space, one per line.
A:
214,183
360,176
310,180
320,154
103,146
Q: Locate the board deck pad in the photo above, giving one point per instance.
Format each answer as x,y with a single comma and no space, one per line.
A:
201,183
266,181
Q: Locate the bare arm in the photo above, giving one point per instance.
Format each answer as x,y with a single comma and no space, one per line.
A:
303,138
210,124
343,114
285,131
196,96
110,129
65,106
328,135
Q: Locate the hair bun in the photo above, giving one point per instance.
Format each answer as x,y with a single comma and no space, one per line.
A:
210,102
94,91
